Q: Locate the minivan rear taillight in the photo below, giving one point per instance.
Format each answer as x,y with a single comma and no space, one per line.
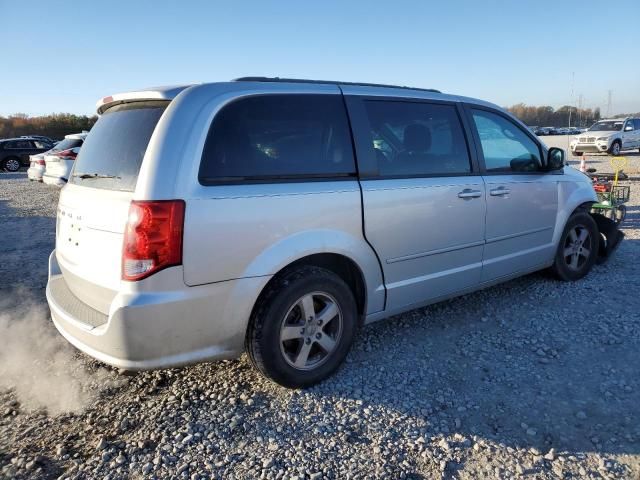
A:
152,237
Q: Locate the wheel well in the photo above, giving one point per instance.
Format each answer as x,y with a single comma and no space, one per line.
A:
342,266
585,207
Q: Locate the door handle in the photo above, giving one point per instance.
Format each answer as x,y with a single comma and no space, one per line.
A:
500,191
468,193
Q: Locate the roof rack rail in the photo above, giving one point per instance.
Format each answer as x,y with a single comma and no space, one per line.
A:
331,82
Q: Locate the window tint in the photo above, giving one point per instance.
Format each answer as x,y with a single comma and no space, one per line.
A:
637,123
19,144
411,138
506,148
278,136
112,153
40,144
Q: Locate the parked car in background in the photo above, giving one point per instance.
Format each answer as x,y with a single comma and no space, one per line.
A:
37,166
276,216
608,136
15,152
40,137
59,161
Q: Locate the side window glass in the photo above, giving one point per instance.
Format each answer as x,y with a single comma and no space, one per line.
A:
637,123
278,137
629,125
506,148
414,139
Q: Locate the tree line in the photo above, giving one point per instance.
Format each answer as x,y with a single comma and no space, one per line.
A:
55,126
546,116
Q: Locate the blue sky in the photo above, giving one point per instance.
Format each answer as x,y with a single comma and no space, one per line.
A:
61,56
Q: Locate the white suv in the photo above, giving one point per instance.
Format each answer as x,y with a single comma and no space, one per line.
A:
608,136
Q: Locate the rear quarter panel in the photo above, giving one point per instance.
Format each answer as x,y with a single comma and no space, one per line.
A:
256,230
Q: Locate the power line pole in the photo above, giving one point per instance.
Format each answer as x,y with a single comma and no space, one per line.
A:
573,77
580,110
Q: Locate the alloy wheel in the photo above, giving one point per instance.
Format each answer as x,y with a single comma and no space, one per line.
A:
311,331
615,148
578,246
12,165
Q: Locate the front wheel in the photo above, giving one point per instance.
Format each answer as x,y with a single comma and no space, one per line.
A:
620,213
302,327
616,146
578,248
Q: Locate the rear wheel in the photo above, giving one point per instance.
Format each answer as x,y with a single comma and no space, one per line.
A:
616,146
11,164
302,327
578,248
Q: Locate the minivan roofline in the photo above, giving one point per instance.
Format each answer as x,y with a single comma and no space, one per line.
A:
257,83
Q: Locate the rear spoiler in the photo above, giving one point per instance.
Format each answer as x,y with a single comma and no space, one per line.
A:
160,93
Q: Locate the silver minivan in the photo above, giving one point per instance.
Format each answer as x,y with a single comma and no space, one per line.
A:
277,216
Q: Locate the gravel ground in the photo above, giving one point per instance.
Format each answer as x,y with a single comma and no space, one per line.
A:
533,378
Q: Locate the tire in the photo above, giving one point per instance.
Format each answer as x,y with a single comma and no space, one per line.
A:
572,262
11,164
616,146
284,344
620,213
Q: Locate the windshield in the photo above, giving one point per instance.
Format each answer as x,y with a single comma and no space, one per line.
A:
612,126
113,151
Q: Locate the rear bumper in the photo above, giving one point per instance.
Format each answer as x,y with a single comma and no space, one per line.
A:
159,329
53,180
35,173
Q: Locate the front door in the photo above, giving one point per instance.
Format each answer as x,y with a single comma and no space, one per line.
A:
423,202
522,200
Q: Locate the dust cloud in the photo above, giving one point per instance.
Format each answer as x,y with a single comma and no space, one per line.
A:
41,368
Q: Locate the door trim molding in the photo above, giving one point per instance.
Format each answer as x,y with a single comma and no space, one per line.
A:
519,234
435,252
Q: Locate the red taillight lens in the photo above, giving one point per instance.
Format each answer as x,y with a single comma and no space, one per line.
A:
68,154
152,238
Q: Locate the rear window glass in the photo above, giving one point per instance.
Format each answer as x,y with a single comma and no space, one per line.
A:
112,153
68,143
274,137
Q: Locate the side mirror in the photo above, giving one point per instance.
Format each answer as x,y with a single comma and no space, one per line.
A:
555,159
628,128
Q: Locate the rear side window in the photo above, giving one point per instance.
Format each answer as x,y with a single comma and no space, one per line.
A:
19,145
277,137
112,153
417,139
68,143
